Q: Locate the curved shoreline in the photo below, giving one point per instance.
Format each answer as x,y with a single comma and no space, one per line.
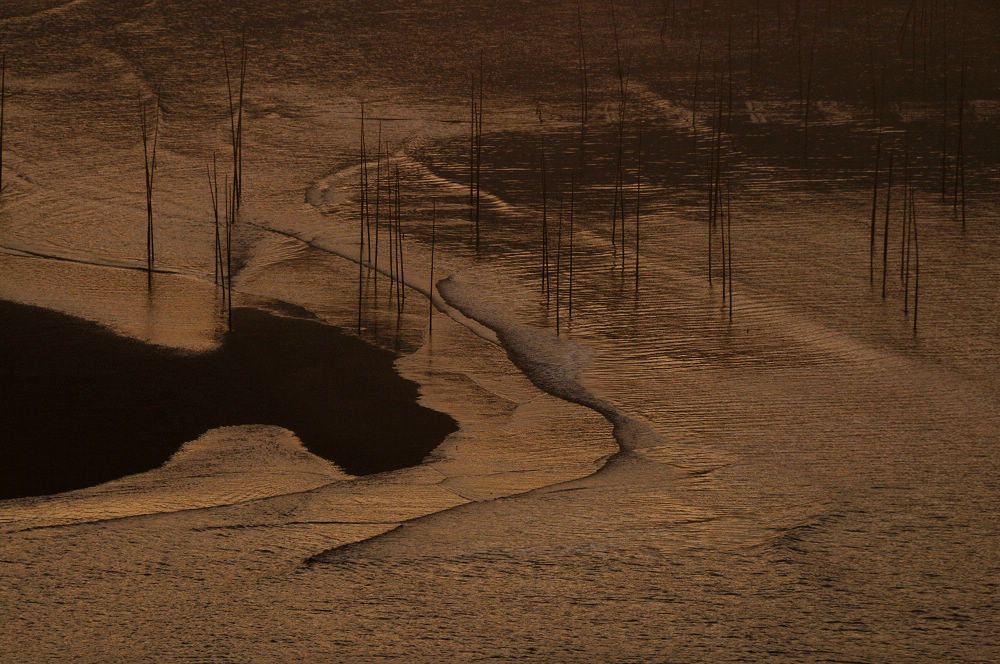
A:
547,374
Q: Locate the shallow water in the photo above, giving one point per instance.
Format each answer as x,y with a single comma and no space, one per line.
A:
808,480
83,406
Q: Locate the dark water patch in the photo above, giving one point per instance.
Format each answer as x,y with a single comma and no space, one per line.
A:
80,405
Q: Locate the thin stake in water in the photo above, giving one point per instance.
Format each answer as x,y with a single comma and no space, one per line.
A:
392,226
378,191
871,249
558,260
638,197
729,243
479,146
908,230
472,147
944,109
400,293
149,161
236,122
3,97
363,186
572,188
623,74
808,100
430,287
229,252
916,276
960,155
545,231
907,193
885,231
213,189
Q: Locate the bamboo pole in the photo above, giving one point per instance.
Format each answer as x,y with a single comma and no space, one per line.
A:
558,262
362,186
584,90
808,99
479,146
430,286
916,281
907,192
366,192
472,148
757,39
378,192
229,254
711,197
722,240
392,225
400,292
618,203
906,281
871,66
152,176
238,178
584,87
545,230
871,250
149,164
729,244
719,213
797,41
885,232
944,138
232,115
213,190
960,157
944,108
729,65
638,197
718,190
697,81
3,99
572,189
396,243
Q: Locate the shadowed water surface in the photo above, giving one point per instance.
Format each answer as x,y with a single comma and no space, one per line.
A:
82,406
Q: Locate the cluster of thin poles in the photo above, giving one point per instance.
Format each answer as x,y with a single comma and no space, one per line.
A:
232,185
720,215
623,72
909,244
619,213
564,217
370,226
920,19
236,120
223,237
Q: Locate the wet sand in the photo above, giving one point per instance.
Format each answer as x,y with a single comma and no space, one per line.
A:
82,405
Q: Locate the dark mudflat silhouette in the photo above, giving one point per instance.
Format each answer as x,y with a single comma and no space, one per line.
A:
80,405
